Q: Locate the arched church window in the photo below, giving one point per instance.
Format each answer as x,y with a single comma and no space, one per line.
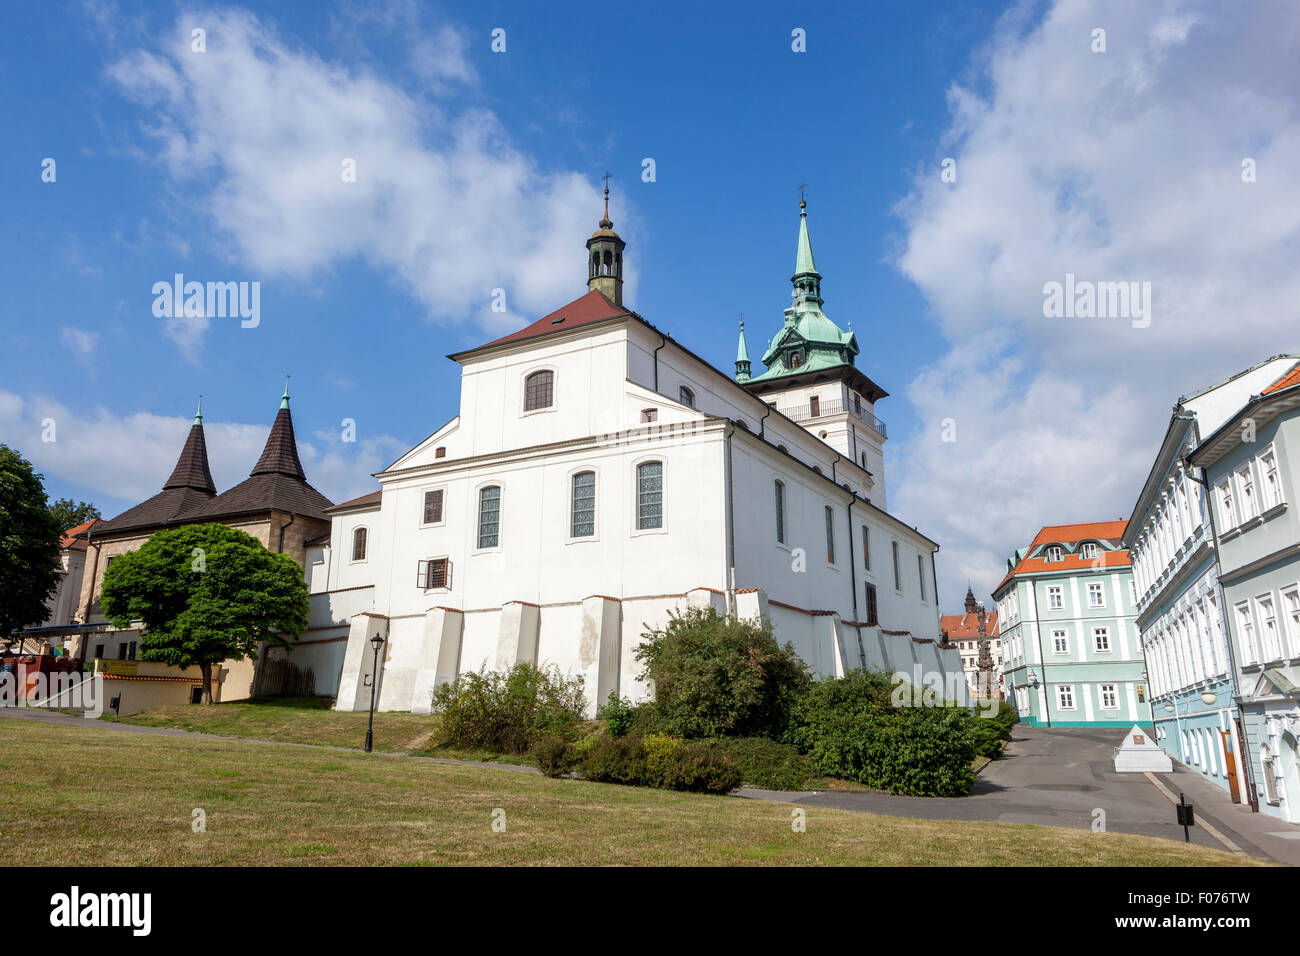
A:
686,397
539,390
359,536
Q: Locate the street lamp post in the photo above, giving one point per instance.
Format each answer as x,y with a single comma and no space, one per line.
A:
1047,704
376,642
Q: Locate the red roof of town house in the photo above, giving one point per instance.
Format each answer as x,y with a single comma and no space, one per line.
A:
70,541
964,627
1286,381
1069,533
592,307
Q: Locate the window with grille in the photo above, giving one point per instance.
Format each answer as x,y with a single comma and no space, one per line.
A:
440,451
650,495
489,516
583,522
872,612
433,506
539,390
434,573
686,396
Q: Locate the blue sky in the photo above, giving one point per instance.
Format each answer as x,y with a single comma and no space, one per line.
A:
479,170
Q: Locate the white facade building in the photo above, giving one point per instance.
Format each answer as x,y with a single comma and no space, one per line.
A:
599,475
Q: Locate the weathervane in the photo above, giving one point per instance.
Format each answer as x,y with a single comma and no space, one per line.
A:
802,201
606,178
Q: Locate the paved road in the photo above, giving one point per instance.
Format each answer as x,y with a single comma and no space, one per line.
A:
1058,777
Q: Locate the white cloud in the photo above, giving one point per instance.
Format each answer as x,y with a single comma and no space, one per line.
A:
81,343
128,457
260,128
1117,166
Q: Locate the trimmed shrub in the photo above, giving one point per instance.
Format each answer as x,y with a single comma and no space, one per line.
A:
614,760
660,750
852,730
554,756
765,763
716,676
508,711
698,768
617,715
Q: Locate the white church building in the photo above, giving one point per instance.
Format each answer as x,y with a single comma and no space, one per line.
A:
598,475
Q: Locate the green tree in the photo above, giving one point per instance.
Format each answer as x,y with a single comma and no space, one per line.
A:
29,544
69,513
716,676
205,593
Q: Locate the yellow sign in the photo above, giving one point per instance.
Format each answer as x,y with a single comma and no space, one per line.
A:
121,668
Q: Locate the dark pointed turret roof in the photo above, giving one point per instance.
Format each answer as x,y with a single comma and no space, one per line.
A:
276,483
280,456
189,487
191,469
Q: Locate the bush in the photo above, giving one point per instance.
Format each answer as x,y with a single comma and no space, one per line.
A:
990,732
698,768
554,756
660,751
716,676
852,730
765,763
508,712
659,760
614,760
617,715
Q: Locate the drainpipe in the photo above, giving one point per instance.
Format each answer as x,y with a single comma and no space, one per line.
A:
853,579
730,569
285,527
1252,795
762,427
663,340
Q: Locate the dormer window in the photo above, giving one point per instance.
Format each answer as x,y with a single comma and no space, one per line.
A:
1088,550
796,359
1055,553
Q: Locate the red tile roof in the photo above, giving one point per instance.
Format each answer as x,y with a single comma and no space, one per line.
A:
1069,533
1070,562
592,307
70,541
963,627
370,499
1286,381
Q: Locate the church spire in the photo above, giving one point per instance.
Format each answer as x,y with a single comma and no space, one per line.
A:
191,469
807,280
280,456
742,357
971,606
605,257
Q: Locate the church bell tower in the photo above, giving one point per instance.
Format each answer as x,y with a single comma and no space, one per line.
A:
605,257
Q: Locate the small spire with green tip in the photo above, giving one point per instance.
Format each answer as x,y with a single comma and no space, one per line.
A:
284,399
198,414
742,357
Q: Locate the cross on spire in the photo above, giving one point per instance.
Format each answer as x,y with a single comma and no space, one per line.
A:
606,178
802,202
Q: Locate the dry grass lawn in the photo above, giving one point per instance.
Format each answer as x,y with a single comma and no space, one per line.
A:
102,797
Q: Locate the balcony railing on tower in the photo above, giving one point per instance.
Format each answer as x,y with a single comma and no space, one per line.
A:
803,413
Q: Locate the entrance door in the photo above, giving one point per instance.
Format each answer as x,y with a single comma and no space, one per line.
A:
1230,765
